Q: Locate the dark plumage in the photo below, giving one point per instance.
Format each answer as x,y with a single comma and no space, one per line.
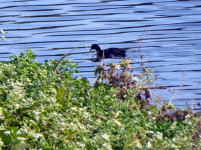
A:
108,53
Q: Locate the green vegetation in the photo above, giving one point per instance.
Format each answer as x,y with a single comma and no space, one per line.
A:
42,106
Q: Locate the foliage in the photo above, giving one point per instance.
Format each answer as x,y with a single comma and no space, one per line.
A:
42,106
127,84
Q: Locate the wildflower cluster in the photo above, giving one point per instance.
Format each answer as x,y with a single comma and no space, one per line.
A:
127,82
42,106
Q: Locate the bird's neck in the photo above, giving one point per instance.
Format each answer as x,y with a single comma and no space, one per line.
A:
98,48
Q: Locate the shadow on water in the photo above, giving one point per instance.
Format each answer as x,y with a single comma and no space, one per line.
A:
169,33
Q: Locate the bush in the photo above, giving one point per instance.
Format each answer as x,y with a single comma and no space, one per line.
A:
42,106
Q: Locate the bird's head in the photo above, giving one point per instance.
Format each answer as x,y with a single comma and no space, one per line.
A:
96,47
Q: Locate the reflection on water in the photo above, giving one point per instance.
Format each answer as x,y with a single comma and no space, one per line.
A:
169,33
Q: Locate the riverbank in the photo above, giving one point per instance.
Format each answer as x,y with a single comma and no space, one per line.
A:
44,107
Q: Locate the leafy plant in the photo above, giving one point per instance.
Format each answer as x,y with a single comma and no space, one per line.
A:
128,84
43,106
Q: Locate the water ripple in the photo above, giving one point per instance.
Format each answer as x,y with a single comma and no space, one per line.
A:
167,32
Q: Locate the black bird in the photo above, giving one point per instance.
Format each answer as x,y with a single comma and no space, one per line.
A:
108,53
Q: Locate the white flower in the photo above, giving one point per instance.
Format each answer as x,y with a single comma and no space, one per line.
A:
159,135
17,106
1,143
80,144
7,132
53,99
86,115
38,135
149,145
36,112
174,146
21,139
73,108
106,137
24,130
107,146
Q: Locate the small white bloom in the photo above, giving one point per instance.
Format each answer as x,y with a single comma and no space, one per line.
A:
1,143
7,132
174,146
17,106
36,112
135,78
21,139
107,146
106,137
149,145
53,99
80,144
38,135
73,108
159,135
86,115
149,112
24,130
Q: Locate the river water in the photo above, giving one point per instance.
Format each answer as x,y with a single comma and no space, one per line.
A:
168,32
